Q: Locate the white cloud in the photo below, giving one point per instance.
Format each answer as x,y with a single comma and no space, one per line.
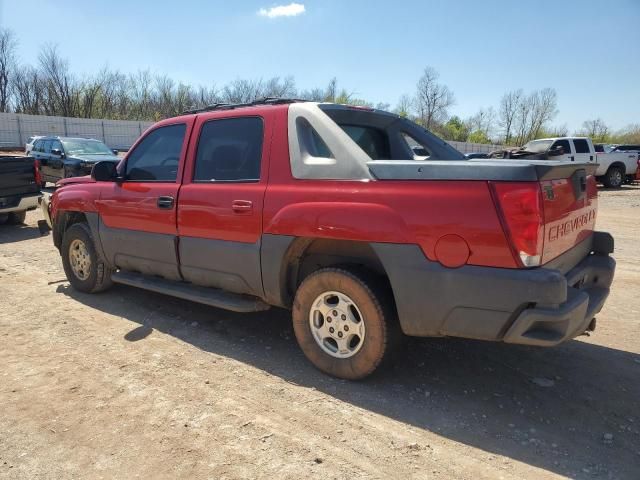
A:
291,10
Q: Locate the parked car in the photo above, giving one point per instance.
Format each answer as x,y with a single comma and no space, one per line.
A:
471,156
29,145
19,187
613,169
627,148
64,157
323,209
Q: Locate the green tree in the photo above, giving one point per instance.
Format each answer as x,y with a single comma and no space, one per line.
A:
478,137
455,129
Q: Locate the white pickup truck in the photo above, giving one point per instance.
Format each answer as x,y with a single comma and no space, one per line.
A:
613,170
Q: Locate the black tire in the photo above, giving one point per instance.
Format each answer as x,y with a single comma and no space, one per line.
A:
614,178
99,274
377,310
17,218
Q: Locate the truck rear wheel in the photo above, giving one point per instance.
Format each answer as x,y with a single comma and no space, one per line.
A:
344,323
85,269
614,178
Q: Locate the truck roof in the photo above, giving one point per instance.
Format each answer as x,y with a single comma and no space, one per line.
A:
561,138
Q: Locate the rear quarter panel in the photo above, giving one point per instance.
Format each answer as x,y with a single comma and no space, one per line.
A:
391,212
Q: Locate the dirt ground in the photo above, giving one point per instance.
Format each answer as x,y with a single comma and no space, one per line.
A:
130,384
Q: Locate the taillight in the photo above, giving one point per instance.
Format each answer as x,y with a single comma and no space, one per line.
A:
521,211
36,167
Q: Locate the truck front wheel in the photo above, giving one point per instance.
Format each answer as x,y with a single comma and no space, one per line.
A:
85,270
344,323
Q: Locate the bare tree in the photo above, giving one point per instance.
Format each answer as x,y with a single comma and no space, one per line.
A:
508,111
28,91
331,93
8,46
141,95
543,109
60,86
313,95
483,121
405,106
533,113
558,131
596,129
433,99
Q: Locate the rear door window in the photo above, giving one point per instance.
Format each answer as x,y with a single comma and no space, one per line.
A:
55,144
157,157
229,150
581,145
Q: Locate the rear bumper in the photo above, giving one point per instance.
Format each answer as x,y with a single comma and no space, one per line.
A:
18,203
587,290
541,306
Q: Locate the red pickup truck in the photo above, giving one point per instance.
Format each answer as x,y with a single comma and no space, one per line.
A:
327,210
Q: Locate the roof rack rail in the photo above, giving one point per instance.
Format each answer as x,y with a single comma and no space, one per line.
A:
231,106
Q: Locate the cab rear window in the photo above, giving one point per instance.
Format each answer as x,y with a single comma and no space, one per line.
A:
373,141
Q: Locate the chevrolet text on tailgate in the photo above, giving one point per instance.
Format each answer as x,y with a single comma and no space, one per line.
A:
326,210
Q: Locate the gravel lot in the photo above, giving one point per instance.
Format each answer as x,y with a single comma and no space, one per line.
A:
130,384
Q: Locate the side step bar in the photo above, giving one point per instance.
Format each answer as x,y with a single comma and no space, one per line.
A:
209,296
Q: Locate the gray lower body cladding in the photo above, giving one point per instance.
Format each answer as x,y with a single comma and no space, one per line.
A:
541,306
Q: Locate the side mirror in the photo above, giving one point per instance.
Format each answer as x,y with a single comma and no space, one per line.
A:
104,171
57,152
115,151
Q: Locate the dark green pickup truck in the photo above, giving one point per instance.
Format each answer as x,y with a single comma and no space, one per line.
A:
19,187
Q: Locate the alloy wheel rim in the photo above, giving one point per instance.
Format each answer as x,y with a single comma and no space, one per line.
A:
617,177
337,325
79,259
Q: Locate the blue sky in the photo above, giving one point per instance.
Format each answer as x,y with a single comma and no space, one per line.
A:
588,50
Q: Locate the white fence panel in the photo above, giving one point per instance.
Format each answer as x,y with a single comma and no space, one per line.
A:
123,133
120,134
9,136
16,128
84,128
466,147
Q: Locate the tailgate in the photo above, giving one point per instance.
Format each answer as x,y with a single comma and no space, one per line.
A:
17,176
569,198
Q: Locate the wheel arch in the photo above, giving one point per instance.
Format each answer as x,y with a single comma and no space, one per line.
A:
301,256
64,220
619,165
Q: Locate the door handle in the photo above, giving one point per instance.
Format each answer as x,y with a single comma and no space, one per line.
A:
572,159
242,206
165,202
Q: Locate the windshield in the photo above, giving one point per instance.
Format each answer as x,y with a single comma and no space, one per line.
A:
537,146
86,147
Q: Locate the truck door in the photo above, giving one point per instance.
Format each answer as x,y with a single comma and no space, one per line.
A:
583,151
138,215
221,200
566,148
44,156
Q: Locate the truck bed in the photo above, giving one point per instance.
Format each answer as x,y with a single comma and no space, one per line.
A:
17,176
